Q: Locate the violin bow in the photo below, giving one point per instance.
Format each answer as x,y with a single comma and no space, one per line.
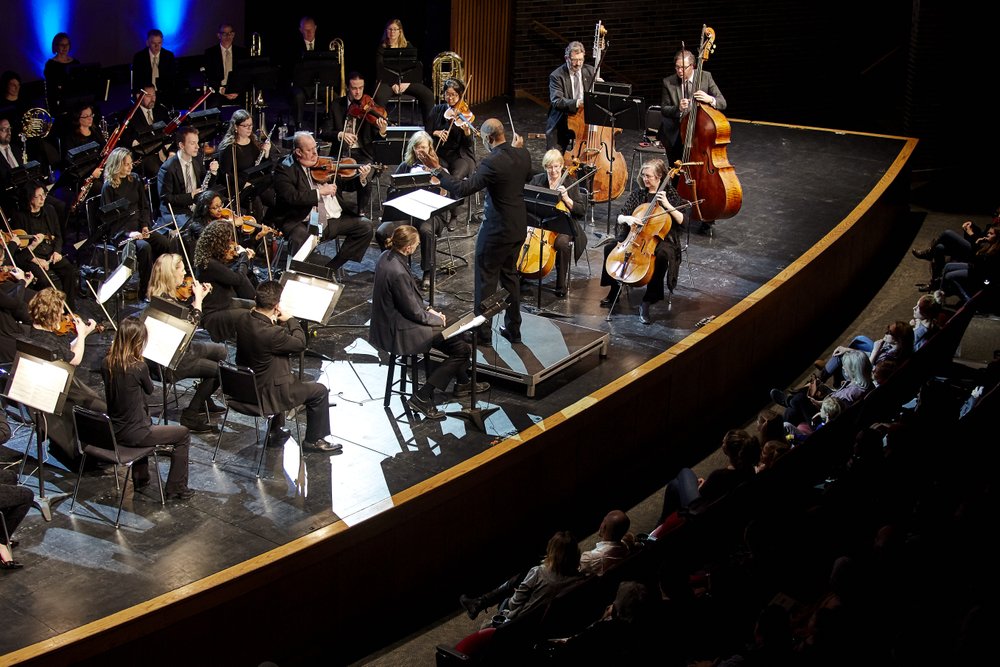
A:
101,304
181,240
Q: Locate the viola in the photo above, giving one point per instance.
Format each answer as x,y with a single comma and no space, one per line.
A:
460,114
366,109
21,237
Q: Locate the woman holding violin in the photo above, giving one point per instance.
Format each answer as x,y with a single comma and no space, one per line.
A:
171,282
667,254
450,123
232,291
419,156
389,82
120,182
40,243
241,149
572,208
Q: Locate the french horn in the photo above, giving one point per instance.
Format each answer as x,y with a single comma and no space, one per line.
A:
36,123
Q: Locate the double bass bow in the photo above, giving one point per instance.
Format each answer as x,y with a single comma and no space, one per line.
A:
707,174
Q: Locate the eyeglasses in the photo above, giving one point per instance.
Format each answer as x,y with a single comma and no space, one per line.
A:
227,34
247,125
86,115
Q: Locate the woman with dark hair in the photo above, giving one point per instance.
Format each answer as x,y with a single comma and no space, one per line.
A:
44,250
201,359
56,74
232,291
389,83
83,130
240,150
12,105
127,386
454,140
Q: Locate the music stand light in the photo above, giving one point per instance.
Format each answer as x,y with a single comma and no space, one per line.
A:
26,173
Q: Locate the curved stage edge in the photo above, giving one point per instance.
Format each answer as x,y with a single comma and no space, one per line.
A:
343,591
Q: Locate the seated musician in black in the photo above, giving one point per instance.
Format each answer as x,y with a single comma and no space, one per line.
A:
667,256
120,182
356,131
201,358
15,294
402,324
454,140
571,213
301,201
419,151
242,149
183,176
43,250
232,290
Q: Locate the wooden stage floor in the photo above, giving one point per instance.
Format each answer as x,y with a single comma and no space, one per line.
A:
798,184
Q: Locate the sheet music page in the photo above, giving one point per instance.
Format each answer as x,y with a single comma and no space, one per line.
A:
421,204
114,283
311,242
305,301
162,342
38,384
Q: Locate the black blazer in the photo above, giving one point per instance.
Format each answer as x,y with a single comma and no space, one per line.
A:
265,347
142,71
18,151
294,195
170,185
400,324
367,132
503,173
562,103
214,67
126,392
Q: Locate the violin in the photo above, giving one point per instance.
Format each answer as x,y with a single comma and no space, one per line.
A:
67,326
460,114
185,290
247,223
22,238
366,109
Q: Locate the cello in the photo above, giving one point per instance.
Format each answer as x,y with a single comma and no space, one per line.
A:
631,262
707,173
593,144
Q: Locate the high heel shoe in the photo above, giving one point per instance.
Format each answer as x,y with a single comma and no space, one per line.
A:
7,561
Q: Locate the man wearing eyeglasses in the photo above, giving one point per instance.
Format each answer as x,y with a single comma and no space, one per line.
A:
567,85
675,101
221,60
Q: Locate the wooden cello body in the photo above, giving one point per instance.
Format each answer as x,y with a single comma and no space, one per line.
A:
632,261
538,254
707,177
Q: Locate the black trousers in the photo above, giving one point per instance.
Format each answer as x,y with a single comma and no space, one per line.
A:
15,501
455,366
496,267
356,230
316,398
176,437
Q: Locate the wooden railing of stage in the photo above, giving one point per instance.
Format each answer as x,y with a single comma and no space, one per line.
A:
482,32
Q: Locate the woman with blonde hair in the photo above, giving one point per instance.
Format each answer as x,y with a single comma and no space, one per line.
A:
389,81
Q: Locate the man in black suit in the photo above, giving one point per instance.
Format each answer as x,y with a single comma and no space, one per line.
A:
11,155
298,92
149,113
567,85
264,338
505,221
220,61
182,177
402,324
155,66
301,201
358,135
675,101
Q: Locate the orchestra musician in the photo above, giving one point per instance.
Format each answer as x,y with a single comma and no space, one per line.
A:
552,178
11,157
667,256
220,261
46,310
155,66
402,324
56,72
389,84
150,112
127,386
220,61
503,174
183,176
266,336
43,251
419,154
358,134
120,182
302,198
454,142
15,294
298,93
239,150
201,358
567,85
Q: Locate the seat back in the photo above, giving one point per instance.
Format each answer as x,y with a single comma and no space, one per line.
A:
654,117
94,429
239,385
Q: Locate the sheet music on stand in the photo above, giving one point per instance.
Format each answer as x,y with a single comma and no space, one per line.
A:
422,204
465,323
115,282
309,298
39,383
168,333
306,249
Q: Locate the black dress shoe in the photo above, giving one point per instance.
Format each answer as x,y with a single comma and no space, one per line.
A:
926,253
472,605
779,397
644,313
465,389
514,340
560,292
186,494
197,423
610,298
426,408
214,408
323,445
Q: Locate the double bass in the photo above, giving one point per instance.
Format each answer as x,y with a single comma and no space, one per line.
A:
593,145
706,172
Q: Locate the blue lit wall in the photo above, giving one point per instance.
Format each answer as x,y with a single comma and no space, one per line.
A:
109,32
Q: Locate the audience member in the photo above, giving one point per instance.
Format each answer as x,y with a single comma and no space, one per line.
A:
612,545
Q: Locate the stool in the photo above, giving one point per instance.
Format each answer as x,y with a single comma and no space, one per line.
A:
399,101
407,363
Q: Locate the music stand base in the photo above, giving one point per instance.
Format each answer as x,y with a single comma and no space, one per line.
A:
475,415
541,312
44,504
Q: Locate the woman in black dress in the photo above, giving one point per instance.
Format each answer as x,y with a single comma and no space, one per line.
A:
453,140
43,251
241,140
56,74
389,83
127,386
232,291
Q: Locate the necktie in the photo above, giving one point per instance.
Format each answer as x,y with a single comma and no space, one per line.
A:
9,155
227,65
189,177
579,87
156,70
309,46
149,116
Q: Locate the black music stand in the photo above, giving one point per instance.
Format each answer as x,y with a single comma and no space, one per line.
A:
490,306
206,121
82,160
40,381
541,203
310,292
423,205
169,333
151,140
255,75
400,62
604,109
26,173
317,68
